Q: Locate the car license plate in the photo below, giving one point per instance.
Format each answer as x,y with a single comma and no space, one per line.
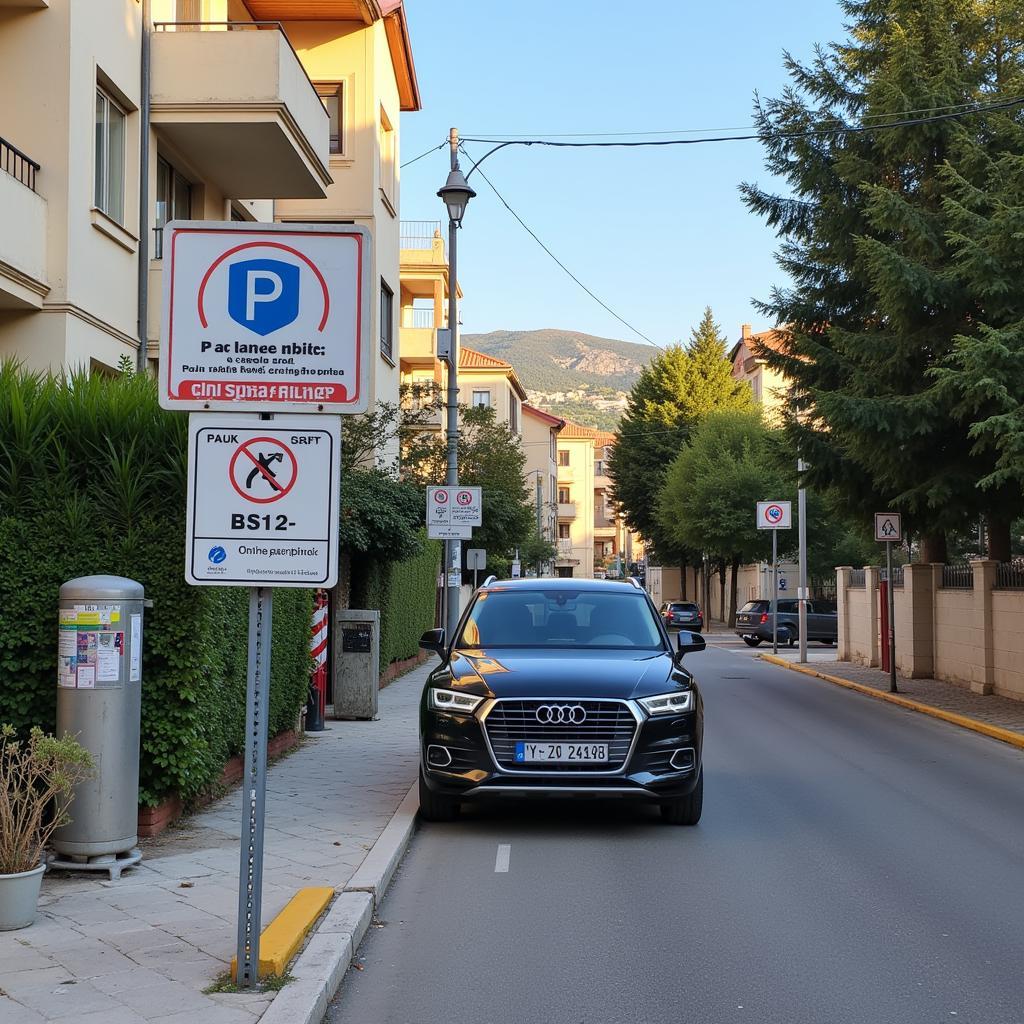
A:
529,753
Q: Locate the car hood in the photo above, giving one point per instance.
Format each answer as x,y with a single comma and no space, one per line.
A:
508,672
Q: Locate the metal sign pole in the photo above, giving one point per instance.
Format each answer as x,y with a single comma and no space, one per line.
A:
775,591
254,787
802,594
892,616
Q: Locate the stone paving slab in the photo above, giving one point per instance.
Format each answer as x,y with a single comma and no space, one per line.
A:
143,948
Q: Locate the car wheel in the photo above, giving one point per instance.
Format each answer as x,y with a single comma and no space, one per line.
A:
752,641
434,807
686,810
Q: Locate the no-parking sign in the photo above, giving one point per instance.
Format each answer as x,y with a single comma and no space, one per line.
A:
774,515
265,317
263,500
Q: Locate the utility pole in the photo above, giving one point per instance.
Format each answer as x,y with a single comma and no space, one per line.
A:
540,530
802,594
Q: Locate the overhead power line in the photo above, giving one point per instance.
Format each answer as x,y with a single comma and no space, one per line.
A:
426,152
535,237
841,129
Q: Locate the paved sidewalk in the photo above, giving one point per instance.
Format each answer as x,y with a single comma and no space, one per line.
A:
143,948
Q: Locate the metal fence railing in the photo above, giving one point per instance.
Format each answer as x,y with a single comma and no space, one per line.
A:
897,575
857,578
957,577
419,234
18,165
1010,575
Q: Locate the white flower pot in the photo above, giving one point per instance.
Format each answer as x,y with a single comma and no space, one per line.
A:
19,895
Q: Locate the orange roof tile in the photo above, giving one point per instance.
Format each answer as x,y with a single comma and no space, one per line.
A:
577,430
470,359
540,414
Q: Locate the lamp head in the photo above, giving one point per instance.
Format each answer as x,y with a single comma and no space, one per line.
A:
456,194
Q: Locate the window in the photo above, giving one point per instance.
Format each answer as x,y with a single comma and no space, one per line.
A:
332,96
481,399
598,468
513,413
563,496
387,156
173,201
563,456
563,531
387,318
554,446
109,170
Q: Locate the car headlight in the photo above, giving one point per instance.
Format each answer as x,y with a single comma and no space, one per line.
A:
452,700
674,703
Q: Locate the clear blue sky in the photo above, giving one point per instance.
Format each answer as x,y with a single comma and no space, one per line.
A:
657,233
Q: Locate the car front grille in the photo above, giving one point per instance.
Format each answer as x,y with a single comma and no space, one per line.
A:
607,721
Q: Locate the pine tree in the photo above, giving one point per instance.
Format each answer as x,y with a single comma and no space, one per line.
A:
673,393
875,303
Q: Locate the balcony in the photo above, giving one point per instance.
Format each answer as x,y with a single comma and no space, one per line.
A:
567,510
566,475
424,235
23,236
564,547
235,99
417,344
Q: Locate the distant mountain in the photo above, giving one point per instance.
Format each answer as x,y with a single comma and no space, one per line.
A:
576,375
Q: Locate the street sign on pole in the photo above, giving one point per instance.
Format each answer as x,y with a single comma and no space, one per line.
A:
476,558
517,568
265,317
263,500
889,527
774,515
456,506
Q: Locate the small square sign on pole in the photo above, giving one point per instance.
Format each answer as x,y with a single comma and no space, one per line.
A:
888,527
774,515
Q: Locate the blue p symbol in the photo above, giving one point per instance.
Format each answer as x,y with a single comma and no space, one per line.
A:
263,295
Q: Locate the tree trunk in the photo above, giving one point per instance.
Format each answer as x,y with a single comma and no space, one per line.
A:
998,538
682,580
734,591
723,611
933,547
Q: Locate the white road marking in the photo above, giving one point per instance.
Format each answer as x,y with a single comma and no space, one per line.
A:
501,861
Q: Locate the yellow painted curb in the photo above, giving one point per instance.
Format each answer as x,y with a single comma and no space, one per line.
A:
280,940
1015,739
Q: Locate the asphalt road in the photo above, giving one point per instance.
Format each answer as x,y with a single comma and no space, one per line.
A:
856,863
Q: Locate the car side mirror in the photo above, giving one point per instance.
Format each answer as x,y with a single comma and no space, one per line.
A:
433,640
688,643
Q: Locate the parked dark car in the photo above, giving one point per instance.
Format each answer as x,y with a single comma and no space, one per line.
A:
754,622
561,688
682,615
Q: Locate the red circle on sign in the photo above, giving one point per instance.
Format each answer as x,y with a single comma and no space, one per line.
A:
441,497
464,497
262,467
773,513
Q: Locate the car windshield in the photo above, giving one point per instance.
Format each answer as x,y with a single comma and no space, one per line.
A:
561,619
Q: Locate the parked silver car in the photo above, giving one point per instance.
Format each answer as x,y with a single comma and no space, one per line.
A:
754,622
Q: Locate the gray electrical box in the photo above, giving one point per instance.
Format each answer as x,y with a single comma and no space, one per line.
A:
356,663
99,702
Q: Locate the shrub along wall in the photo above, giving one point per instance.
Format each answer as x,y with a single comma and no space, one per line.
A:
92,480
405,593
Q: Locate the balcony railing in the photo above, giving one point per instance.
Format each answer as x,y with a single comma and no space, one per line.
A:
413,317
18,165
567,510
419,234
564,546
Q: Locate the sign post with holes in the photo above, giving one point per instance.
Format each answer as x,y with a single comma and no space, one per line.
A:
260,320
889,529
775,516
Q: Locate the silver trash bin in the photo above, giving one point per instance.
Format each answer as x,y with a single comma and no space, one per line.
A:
99,702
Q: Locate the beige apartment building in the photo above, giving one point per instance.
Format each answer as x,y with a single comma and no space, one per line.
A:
541,431
747,357
575,496
260,110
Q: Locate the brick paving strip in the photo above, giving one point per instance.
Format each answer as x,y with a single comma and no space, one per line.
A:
999,717
143,948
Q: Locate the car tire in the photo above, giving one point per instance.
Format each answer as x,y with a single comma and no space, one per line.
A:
686,810
752,641
434,806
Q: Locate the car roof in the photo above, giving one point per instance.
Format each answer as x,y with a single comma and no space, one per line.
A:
564,583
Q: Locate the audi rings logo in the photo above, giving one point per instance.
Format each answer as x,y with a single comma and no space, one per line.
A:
561,714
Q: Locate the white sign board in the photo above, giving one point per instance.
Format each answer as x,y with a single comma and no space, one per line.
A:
265,317
517,568
263,500
446,531
888,526
774,515
455,506
476,558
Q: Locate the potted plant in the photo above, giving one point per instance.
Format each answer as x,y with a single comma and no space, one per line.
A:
34,774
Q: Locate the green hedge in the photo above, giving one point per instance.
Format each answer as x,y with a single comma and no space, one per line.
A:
92,480
405,593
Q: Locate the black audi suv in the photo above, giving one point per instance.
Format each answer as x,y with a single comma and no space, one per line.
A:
561,687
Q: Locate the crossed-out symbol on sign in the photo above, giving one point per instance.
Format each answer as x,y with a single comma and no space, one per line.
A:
773,513
263,469
464,497
441,496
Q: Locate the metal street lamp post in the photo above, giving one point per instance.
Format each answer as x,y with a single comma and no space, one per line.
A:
456,194
801,467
